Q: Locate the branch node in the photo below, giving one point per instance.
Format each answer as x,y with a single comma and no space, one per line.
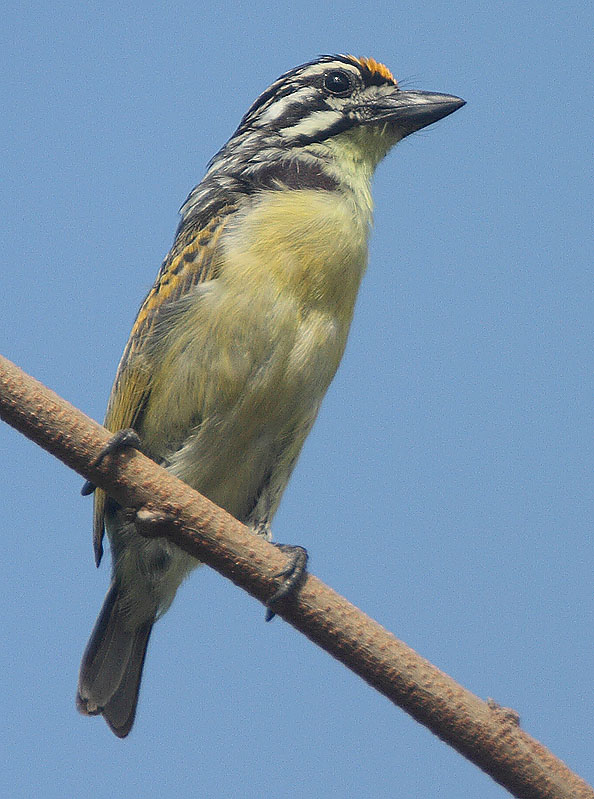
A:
506,714
150,523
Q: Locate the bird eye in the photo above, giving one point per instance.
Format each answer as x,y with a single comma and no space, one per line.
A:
337,82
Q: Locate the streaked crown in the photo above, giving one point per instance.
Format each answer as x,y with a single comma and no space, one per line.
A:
316,100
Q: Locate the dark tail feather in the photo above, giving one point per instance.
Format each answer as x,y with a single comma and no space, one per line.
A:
120,711
111,667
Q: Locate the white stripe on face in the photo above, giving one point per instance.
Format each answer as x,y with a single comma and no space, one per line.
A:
278,107
318,69
312,124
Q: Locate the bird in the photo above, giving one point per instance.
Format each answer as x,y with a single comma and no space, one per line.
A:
236,343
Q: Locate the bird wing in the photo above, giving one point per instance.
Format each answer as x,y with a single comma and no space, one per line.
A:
193,259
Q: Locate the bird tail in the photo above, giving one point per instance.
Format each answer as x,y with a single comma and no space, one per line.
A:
111,667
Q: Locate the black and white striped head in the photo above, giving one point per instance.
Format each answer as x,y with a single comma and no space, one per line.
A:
333,94
320,99
296,133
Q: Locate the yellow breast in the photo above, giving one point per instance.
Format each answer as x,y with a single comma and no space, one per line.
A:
311,245
258,346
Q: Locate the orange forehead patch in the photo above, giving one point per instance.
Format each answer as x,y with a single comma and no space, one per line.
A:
375,68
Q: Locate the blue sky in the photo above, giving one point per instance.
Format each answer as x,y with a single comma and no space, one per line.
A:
446,486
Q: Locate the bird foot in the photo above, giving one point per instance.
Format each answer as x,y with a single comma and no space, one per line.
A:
292,572
123,439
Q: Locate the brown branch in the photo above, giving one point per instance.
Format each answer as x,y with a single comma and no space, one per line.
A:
485,733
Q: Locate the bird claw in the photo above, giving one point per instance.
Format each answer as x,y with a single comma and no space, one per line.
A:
123,439
292,572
